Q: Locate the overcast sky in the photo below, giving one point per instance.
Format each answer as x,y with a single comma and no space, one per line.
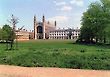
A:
67,13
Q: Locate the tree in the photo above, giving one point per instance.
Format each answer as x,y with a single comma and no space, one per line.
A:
94,22
13,21
6,32
107,32
0,34
69,34
6,35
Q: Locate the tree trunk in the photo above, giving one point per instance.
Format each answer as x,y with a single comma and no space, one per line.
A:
11,45
104,40
96,40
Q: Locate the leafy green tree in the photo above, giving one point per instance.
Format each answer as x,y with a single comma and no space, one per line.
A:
94,22
7,35
107,34
0,34
6,32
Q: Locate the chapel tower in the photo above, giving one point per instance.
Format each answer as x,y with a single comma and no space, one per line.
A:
44,25
35,27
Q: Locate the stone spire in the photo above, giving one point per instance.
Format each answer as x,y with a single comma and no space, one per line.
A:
43,21
55,23
35,27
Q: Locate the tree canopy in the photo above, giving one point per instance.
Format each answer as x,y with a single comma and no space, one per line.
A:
5,32
95,22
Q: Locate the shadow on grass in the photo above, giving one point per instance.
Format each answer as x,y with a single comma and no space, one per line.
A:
102,45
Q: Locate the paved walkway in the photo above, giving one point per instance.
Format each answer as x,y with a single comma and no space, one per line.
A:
15,71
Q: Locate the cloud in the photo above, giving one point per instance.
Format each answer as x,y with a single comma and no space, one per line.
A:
66,8
77,2
63,6
62,21
60,3
59,18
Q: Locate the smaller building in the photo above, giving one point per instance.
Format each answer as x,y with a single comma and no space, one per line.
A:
22,35
31,35
64,34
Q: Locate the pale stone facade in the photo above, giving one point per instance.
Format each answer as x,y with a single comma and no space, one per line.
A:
47,30
42,29
64,34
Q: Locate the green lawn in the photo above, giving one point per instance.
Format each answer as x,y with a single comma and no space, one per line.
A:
57,53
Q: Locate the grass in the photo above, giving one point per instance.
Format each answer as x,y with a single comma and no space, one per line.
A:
57,53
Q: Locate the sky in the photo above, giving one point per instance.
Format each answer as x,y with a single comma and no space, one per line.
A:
67,13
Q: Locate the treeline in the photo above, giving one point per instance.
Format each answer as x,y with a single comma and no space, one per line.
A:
96,23
6,33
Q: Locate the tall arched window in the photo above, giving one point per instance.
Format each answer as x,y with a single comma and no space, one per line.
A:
39,29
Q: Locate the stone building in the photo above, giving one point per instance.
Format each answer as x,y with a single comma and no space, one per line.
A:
22,35
64,34
31,35
47,30
43,28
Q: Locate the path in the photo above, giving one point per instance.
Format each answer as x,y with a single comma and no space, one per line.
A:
15,71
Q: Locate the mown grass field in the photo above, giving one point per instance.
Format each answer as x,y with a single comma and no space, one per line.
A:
57,53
